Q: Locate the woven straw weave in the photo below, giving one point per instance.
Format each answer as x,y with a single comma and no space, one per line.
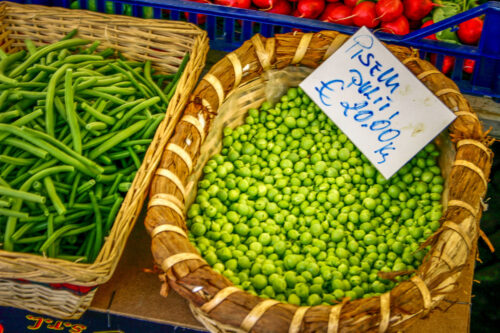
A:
164,43
237,83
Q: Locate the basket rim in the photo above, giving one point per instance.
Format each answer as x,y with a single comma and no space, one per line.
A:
278,52
98,272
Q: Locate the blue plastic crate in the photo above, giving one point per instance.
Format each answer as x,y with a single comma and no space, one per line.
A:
229,27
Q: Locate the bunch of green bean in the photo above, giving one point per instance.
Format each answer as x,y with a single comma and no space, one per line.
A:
75,123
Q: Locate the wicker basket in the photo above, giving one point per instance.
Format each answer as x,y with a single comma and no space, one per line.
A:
29,281
237,83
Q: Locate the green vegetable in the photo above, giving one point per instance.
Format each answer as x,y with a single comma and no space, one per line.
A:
75,123
296,212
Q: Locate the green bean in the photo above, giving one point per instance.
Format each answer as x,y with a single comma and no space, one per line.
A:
85,84
136,142
70,34
132,79
151,129
49,102
33,239
116,139
13,213
105,160
170,88
5,116
7,170
21,194
74,187
63,54
116,90
51,251
124,187
114,186
76,58
46,50
42,166
16,160
3,97
73,258
93,47
125,106
11,222
4,203
163,76
107,52
6,62
119,155
109,97
26,147
51,192
112,214
97,141
135,158
96,114
85,186
139,107
96,126
58,233
98,222
89,246
39,68
149,79
60,150
24,229
52,150
70,112
30,46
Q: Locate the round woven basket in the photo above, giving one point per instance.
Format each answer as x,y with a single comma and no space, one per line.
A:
244,79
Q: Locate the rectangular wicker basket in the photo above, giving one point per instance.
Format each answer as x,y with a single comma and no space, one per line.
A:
62,288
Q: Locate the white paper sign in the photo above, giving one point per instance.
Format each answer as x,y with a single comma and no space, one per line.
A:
377,102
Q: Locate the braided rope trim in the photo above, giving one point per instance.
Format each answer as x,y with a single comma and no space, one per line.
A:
427,73
298,316
445,258
445,91
385,311
475,168
335,45
167,227
407,60
424,291
261,52
176,258
219,298
167,200
455,227
196,123
302,48
466,114
173,178
334,318
257,312
474,143
238,70
182,153
464,205
215,83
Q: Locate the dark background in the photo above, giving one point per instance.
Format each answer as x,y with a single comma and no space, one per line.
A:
485,316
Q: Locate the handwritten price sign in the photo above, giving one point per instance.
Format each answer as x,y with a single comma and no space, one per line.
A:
377,102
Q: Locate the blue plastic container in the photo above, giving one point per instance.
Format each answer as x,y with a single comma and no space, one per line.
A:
229,27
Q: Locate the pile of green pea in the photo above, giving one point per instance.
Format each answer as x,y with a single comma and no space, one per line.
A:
291,210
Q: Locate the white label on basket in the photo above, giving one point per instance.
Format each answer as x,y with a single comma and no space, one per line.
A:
377,102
